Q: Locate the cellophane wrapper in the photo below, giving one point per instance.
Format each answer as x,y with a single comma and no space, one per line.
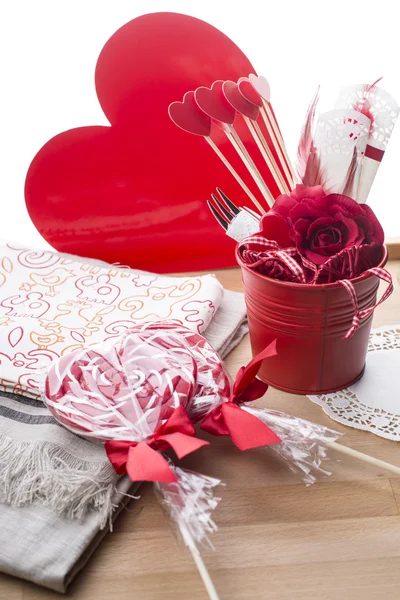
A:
125,388
190,503
303,443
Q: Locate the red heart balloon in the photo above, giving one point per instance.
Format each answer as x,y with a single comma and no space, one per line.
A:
248,92
189,117
239,103
214,104
135,192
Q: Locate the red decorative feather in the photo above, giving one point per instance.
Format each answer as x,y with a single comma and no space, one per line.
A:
306,143
315,174
350,175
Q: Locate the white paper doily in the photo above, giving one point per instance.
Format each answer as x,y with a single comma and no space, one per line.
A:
373,403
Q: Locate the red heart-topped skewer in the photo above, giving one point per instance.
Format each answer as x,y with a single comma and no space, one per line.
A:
261,86
188,116
214,103
250,112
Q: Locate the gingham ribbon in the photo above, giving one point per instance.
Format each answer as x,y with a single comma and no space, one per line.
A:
273,250
363,314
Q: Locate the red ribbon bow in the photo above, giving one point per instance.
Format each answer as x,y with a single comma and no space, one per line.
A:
245,430
143,461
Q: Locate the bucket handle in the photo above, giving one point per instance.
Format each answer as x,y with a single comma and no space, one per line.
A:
362,314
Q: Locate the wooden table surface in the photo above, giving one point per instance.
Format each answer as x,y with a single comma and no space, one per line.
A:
277,540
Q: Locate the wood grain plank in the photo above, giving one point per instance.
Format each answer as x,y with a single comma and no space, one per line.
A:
10,588
393,246
337,540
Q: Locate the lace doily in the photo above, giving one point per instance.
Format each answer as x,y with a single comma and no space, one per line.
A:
373,403
381,105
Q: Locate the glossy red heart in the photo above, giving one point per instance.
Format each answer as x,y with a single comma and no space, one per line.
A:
135,192
188,116
248,92
213,102
239,103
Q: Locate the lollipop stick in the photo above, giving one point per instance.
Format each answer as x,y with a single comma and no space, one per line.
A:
276,136
201,567
267,155
248,161
364,457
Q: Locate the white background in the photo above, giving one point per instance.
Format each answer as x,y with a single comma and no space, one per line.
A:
48,52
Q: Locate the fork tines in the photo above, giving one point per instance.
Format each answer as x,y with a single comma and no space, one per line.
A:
223,214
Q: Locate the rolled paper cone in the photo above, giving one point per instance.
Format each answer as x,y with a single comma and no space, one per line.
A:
337,134
383,110
367,176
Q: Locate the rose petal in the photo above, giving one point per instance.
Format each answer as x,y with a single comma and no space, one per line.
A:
308,209
275,227
355,235
345,203
283,205
336,231
378,234
298,232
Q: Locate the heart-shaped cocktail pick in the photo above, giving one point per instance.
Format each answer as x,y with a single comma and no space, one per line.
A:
252,95
250,112
188,116
262,87
215,104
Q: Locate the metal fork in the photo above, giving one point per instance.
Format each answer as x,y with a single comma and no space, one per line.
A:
225,212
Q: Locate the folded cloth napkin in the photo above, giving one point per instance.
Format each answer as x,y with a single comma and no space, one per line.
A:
48,527
53,304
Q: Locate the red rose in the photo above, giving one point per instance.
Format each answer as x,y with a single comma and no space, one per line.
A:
321,225
275,225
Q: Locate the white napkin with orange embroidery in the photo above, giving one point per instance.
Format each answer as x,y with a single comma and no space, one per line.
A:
53,304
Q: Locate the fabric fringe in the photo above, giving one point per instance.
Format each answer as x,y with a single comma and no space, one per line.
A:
45,472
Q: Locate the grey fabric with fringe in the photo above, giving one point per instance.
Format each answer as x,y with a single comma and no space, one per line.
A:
59,493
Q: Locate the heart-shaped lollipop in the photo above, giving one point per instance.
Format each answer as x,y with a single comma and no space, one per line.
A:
126,388
134,396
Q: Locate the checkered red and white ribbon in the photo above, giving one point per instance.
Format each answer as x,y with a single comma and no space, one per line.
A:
270,251
359,315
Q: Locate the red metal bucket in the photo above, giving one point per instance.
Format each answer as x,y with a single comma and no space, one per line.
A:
309,323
